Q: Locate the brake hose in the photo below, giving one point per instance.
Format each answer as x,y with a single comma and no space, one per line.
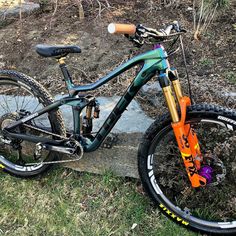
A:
186,69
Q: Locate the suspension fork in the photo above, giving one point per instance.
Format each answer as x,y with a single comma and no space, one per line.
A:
184,133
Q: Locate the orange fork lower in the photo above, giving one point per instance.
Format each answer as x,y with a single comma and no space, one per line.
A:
188,146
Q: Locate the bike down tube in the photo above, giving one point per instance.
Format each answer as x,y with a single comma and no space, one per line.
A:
148,70
187,140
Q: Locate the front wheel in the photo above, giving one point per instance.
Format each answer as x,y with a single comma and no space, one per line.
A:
211,208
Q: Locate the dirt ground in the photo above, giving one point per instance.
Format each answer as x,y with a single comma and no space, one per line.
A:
211,61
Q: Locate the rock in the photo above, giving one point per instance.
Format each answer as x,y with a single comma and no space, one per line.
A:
121,159
2,64
152,88
152,92
133,120
14,9
230,94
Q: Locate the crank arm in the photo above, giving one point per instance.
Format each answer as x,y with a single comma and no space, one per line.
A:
61,149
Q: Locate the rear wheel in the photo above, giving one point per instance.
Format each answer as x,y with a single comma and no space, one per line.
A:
20,96
211,208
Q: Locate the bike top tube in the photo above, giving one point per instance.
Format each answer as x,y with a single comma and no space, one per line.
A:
158,55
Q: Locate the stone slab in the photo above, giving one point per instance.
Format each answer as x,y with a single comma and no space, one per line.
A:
121,159
133,120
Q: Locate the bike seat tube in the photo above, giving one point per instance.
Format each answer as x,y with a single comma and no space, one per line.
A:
65,73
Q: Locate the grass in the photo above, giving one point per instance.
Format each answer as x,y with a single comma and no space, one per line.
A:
206,62
231,76
65,202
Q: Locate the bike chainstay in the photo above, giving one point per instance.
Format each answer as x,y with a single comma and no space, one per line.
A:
78,157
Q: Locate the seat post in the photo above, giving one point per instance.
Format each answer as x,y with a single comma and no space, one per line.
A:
65,72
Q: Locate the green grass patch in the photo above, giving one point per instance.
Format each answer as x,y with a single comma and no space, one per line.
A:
66,202
231,76
206,62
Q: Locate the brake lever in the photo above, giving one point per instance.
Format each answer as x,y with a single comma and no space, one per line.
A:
136,40
176,26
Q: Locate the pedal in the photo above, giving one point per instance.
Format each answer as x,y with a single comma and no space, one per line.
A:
110,140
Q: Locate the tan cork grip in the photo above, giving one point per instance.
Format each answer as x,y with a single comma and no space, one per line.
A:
121,28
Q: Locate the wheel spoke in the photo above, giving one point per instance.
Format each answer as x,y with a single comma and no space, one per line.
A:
8,108
22,102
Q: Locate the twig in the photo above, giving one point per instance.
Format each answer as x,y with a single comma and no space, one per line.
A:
53,14
194,15
212,16
81,9
20,18
108,4
200,17
207,13
99,8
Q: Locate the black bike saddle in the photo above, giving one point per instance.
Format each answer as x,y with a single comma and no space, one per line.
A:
56,51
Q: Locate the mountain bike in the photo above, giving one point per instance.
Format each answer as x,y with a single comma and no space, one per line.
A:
186,159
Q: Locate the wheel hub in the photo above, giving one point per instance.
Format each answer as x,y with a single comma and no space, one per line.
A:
214,171
206,172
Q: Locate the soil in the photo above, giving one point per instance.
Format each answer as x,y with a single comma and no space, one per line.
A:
211,61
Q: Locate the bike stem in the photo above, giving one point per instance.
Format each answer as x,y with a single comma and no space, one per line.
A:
184,133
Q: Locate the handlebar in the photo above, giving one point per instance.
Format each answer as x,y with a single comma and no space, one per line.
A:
140,34
130,29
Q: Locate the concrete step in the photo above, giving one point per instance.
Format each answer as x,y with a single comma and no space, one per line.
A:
121,159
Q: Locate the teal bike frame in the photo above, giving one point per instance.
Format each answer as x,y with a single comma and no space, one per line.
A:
153,62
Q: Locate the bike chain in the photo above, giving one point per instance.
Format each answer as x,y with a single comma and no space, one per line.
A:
58,136
61,161
44,131
55,162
